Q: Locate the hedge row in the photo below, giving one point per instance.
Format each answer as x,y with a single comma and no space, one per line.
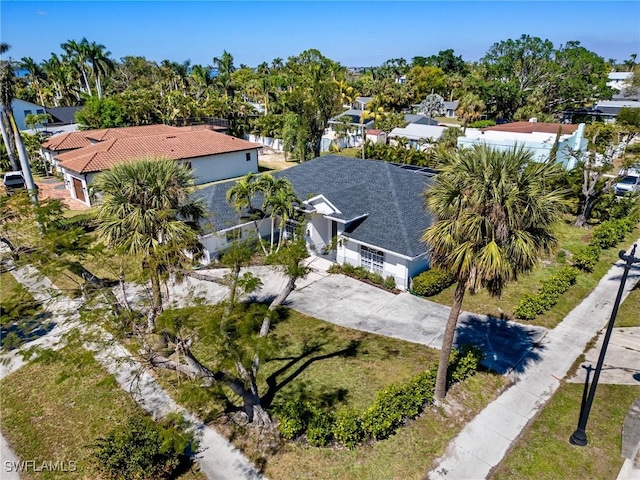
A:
360,273
533,305
431,282
393,406
606,235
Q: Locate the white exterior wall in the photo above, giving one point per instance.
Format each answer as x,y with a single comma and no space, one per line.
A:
216,243
19,107
225,165
275,143
68,177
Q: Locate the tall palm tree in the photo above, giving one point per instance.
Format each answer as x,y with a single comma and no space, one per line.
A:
225,67
77,54
59,75
276,193
494,218
7,93
146,210
281,205
101,64
469,109
4,47
35,76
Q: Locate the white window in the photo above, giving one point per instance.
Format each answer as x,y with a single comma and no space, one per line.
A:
290,228
372,260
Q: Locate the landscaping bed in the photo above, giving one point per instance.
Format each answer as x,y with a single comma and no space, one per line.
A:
54,409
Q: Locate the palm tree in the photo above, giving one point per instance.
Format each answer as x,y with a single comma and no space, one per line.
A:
469,109
35,76
145,210
60,76
274,191
4,47
77,54
240,195
101,64
225,67
282,204
494,218
7,93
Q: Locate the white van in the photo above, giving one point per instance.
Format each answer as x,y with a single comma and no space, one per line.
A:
630,182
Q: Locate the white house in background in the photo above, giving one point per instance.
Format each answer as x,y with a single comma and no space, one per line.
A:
537,137
619,80
374,210
211,155
376,136
353,138
22,108
361,103
419,136
450,108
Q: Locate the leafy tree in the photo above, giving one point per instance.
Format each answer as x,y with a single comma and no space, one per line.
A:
426,80
100,113
432,106
493,219
469,109
145,211
446,60
387,121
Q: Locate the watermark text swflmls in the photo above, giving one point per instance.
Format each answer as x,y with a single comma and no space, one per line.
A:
41,466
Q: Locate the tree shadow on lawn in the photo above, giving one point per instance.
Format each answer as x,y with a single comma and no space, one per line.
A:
326,398
508,346
24,330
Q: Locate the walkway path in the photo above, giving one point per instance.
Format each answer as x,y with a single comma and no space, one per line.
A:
217,458
485,440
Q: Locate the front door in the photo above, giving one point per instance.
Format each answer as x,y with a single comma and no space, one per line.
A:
77,188
334,230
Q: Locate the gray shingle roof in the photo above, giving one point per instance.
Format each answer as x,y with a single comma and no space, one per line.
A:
390,194
419,119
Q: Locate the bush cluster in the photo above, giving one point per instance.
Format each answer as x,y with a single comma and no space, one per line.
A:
587,258
393,406
359,273
431,282
86,221
141,449
533,305
610,232
482,124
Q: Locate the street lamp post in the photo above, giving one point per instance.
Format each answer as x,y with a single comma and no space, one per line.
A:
579,437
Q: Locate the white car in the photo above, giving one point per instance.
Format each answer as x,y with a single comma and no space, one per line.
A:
630,182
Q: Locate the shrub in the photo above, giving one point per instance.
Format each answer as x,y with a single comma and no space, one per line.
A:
609,233
465,362
482,124
587,258
140,449
320,429
375,278
386,413
292,419
389,283
347,428
533,305
335,268
431,282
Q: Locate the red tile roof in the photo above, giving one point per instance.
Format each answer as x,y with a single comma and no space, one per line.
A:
374,132
178,144
83,138
530,127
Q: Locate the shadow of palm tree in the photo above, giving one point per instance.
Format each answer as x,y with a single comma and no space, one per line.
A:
508,346
275,384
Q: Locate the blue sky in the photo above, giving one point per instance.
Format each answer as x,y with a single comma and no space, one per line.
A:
358,33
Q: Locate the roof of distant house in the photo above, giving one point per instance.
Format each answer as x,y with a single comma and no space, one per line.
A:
531,127
416,131
620,75
353,114
63,115
364,100
386,198
451,105
419,119
177,144
373,131
83,138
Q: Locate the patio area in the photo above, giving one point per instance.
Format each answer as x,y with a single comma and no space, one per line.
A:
53,187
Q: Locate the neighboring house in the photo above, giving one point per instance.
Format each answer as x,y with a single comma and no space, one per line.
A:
22,108
62,115
418,135
619,80
361,103
353,138
376,136
537,137
450,109
608,110
374,210
419,119
212,156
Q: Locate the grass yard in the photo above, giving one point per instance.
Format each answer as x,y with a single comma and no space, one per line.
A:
18,312
52,410
544,452
629,312
346,152
571,239
337,366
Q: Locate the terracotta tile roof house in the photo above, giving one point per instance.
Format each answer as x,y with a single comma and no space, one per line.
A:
212,156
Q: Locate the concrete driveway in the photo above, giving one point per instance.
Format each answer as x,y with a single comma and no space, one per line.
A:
344,301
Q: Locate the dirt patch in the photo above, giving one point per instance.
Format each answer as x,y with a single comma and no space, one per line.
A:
274,161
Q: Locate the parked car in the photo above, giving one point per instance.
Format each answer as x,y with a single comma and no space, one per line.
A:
13,181
629,183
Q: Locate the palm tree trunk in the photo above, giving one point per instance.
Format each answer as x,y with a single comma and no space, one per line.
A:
273,225
447,341
86,82
24,159
98,85
156,302
15,165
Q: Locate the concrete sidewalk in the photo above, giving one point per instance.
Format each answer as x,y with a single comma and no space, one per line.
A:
484,441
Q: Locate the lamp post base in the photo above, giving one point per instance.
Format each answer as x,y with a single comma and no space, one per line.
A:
578,438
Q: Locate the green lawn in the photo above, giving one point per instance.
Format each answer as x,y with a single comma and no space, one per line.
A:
544,452
346,152
54,410
571,239
336,374
629,313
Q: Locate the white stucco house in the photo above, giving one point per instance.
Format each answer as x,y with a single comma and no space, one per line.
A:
418,136
22,108
211,155
373,209
537,137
